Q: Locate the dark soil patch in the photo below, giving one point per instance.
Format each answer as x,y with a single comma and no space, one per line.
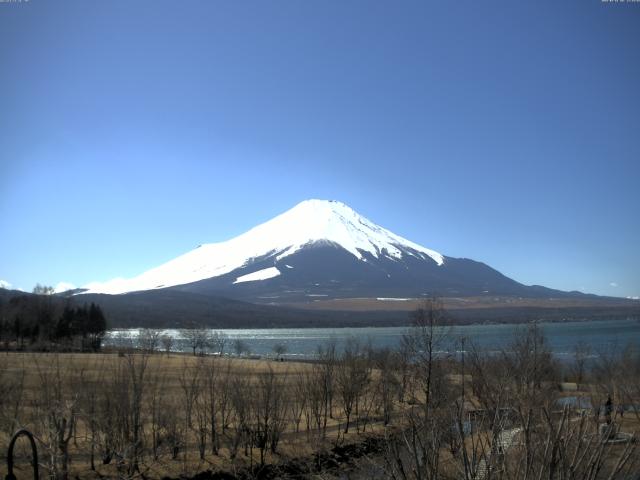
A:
330,462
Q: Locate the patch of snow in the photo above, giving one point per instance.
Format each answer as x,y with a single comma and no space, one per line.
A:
385,299
117,285
263,274
316,295
63,287
288,266
309,222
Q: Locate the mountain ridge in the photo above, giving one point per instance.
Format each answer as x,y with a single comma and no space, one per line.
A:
322,249
310,222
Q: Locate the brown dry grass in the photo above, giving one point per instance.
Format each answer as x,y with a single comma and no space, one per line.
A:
453,303
37,366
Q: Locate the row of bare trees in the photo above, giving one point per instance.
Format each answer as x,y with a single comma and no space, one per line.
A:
136,410
472,415
495,415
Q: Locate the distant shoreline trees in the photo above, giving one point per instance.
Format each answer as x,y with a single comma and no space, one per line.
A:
43,321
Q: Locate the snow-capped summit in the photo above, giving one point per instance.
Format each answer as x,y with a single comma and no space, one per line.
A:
310,223
319,250
332,221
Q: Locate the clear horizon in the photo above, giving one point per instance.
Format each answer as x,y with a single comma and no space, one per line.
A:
502,132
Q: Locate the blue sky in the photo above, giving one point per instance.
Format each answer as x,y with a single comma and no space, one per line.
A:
507,132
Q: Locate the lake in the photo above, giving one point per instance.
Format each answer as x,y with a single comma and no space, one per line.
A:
601,335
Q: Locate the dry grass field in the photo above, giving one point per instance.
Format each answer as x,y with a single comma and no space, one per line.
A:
136,414
175,397
456,303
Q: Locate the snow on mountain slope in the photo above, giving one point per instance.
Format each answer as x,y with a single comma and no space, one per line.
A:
263,274
308,222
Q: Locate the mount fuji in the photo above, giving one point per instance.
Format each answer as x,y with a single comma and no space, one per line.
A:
321,250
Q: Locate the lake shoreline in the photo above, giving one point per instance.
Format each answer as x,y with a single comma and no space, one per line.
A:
304,342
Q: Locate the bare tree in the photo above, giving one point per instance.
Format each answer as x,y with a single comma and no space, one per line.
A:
581,354
223,394
190,385
157,404
386,384
197,338
58,410
298,400
137,367
268,411
530,360
353,374
279,349
429,333
240,347
218,341
122,402
167,343
241,404
316,393
404,362
202,414
212,374
46,311
148,340
327,356
627,378
12,388
89,392
415,452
